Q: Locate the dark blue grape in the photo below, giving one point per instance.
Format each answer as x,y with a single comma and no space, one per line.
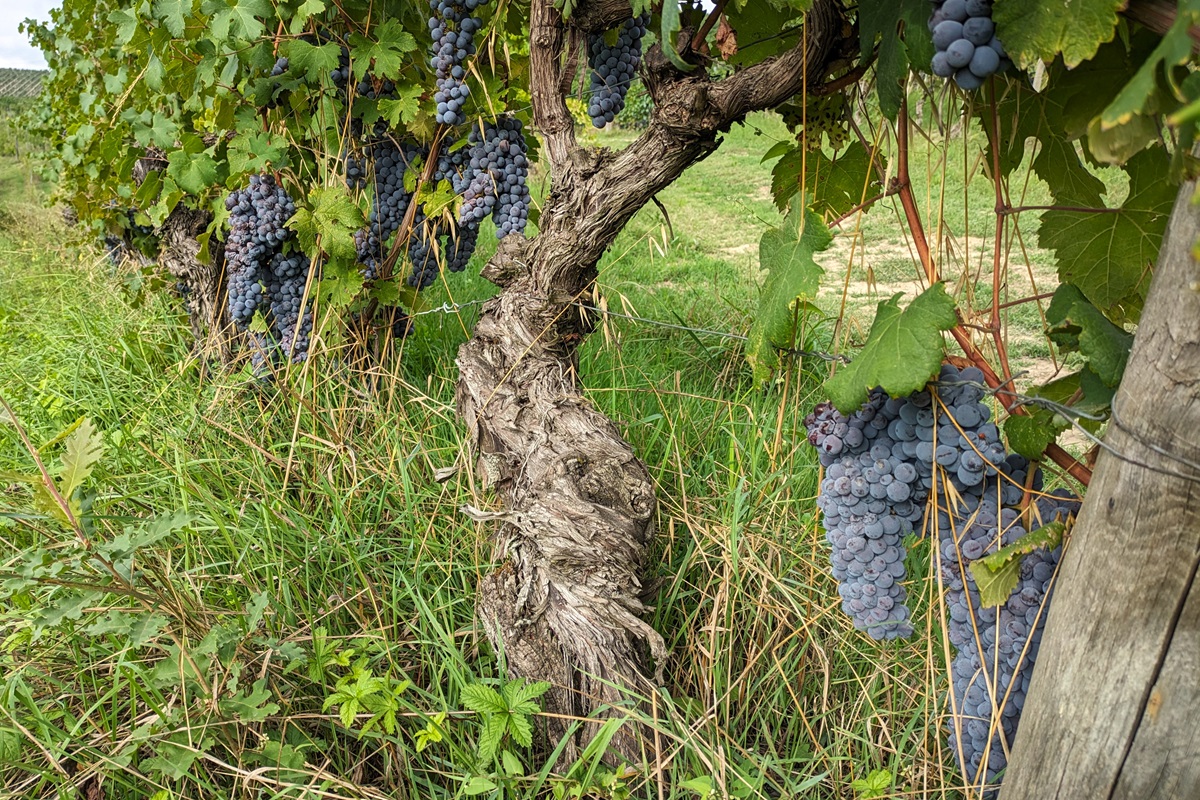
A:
613,68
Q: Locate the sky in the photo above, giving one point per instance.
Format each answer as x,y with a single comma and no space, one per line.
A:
15,50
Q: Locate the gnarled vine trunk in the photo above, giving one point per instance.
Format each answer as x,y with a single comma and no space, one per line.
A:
179,254
1113,711
565,604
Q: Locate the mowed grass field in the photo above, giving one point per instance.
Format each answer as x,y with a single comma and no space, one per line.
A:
316,548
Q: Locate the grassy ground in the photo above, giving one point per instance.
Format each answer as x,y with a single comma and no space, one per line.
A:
264,569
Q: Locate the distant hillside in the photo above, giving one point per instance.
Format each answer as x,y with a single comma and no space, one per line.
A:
21,82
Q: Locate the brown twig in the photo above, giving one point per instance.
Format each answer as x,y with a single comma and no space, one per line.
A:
998,243
1030,299
708,24
1159,16
903,187
1009,400
870,201
849,79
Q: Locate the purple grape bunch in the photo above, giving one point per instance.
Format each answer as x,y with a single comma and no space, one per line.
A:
453,29
996,647
934,462
613,67
965,39
257,215
496,177
867,498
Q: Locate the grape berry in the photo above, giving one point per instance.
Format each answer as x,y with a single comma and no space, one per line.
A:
965,38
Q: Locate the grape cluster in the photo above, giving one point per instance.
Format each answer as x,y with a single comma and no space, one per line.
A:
280,67
884,463
498,170
256,219
453,29
389,204
356,172
997,646
341,74
460,246
285,287
613,67
867,500
423,250
965,37
490,173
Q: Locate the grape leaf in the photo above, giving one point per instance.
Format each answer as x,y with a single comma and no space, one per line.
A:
996,574
761,32
385,49
339,291
171,13
1118,143
670,28
312,60
899,25
1108,255
837,185
193,172
1081,391
1105,345
334,218
307,10
126,22
793,276
996,584
1031,435
1174,49
241,19
903,350
256,152
404,107
1033,30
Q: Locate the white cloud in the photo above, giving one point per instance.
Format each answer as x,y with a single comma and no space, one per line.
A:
15,50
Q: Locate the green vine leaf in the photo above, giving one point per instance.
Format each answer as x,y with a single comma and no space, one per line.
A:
1033,30
899,27
1105,345
239,18
997,574
670,28
1030,435
334,217
192,172
256,152
315,62
402,109
1173,50
1108,254
385,50
171,13
903,350
793,278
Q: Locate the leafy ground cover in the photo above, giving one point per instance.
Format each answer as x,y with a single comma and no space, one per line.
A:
276,594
